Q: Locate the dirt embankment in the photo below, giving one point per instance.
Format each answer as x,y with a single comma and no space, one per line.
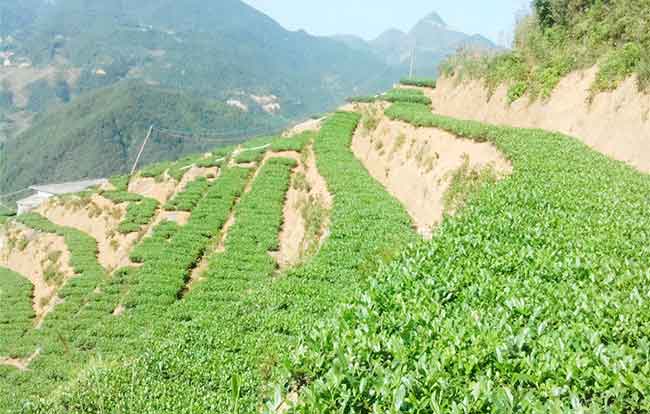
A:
99,218
159,189
305,214
416,164
616,123
42,258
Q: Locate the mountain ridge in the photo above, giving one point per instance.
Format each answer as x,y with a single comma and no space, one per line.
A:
432,38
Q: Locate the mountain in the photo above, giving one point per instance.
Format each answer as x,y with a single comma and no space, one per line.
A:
432,39
354,42
217,49
99,134
393,46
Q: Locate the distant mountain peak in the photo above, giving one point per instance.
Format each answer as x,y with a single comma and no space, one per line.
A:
434,19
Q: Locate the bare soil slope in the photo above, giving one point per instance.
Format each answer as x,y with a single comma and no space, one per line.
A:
616,123
99,218
42,258
416,164
306,213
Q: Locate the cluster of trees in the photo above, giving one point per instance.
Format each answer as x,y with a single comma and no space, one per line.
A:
560,12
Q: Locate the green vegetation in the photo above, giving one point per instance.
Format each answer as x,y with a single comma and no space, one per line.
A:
155,170
138,214
421,82
362,99
215,349
44,94
296,143
562,36
178,169
189,197
531,299
254,150
121,196
465,182
150,246
120,182
64,325
83,248
406,95
5,212
217,159
84,326
16,312
106,140
97,53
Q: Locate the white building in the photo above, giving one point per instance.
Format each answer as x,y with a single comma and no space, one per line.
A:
44,192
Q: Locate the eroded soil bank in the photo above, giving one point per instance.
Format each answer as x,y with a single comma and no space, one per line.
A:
616,123
305,214
42,258
416,164
99,218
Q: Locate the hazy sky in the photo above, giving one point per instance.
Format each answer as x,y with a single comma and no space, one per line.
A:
368,18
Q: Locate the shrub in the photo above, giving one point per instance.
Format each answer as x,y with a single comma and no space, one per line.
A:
362,99
138,214
424,83
517,91
617,66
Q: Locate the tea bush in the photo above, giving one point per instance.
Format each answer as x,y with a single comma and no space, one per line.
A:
534,298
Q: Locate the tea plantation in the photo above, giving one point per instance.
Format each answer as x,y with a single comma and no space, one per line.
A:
533,298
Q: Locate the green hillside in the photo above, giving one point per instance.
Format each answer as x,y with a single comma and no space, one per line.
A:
220,51
100,133
562,36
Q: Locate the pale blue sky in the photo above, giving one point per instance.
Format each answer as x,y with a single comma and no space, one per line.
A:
368,18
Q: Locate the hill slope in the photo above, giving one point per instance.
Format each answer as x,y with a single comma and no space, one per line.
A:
99,134
539,280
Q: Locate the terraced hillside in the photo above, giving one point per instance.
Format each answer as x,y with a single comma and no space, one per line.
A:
287,275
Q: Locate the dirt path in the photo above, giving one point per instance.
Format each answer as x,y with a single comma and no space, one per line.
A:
616,123
42,258
415,164
21,364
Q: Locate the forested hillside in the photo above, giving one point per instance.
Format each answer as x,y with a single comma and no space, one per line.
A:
100,133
